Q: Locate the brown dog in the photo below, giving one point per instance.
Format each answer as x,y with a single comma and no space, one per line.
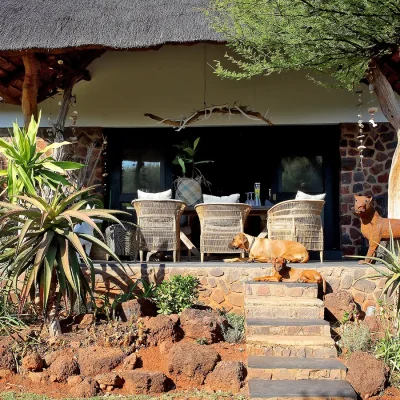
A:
264,249
285,273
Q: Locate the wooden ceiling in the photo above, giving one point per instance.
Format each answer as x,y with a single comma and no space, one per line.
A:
55,71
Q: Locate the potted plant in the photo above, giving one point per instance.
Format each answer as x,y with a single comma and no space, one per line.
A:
188,188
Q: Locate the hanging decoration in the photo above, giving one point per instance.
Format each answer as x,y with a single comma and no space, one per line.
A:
206,112
104,158
361,135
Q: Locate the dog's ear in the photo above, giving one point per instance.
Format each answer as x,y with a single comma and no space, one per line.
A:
244,239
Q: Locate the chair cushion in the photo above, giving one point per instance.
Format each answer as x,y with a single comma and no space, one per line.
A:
304,196
232,198
154,196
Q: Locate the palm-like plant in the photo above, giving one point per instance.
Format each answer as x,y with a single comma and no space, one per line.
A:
42,248
29,170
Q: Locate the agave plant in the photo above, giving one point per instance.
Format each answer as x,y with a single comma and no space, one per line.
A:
29,169
41,249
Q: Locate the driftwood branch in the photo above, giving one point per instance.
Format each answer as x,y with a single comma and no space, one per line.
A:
205,113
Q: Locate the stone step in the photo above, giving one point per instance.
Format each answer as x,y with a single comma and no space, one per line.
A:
284,307
288,368
310,389
281,289
291,346
287,326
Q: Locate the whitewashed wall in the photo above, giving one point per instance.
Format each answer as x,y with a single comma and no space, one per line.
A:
170,82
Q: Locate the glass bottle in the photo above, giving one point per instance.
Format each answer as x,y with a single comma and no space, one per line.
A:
257,194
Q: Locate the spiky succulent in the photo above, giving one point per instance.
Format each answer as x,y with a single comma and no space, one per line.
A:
39,246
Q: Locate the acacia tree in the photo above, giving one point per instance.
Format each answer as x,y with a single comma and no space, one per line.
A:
345,39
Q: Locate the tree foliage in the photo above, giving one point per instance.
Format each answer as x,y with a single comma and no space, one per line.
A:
338,37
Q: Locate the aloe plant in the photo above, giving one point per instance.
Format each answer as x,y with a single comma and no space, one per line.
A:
41,249
29,170
391,261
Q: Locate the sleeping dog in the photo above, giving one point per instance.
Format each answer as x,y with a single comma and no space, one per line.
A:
263,249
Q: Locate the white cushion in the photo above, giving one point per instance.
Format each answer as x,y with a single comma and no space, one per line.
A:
154,196
304,196
232,198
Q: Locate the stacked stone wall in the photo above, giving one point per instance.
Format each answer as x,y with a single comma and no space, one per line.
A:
371,179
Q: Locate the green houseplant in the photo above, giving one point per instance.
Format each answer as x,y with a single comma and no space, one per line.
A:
188,189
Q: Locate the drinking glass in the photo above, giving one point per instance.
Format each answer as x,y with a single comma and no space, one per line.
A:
248,198
252,201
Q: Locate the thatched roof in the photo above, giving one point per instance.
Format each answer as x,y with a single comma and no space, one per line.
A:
112,24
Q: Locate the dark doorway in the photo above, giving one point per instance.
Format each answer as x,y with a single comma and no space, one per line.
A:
283,159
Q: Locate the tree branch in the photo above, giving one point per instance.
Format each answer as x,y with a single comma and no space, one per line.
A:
30,87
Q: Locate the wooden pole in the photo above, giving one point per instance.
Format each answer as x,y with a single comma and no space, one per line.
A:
30,87
391,110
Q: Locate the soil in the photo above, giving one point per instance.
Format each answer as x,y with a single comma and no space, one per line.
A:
391,393
150,359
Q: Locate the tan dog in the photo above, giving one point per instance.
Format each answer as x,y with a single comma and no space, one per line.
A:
264,249
285,273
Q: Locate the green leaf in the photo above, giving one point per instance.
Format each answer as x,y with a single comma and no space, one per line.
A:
25,179
196,142
93,239
49,261
182,164
55,145
68,165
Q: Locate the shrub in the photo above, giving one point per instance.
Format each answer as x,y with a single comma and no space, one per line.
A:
355,337
234,332
173,296
388,349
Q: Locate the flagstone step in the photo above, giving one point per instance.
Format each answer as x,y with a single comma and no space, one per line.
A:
292,368
291,346
287,326
288,289
310,389
284,307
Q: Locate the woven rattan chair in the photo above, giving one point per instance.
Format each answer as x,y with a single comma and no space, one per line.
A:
158,226
298,220
219,223
122,240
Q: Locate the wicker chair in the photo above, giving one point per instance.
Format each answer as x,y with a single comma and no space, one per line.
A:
219,223
122,240
158,226
298,220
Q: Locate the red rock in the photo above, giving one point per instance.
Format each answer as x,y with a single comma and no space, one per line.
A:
160,329
339,303
109,379
87,321
366,374
87,388
227,376
98,360
190,363
133,309
63,367
7,360
130,362
32,362
202,324
145,382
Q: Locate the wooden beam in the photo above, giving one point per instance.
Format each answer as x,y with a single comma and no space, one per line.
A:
6,97
30,87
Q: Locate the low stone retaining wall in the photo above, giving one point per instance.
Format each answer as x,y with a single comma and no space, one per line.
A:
222,284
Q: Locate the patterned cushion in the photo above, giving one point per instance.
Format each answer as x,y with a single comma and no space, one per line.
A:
154,196
232,198
189,191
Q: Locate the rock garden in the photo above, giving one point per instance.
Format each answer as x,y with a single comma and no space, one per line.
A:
129,347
